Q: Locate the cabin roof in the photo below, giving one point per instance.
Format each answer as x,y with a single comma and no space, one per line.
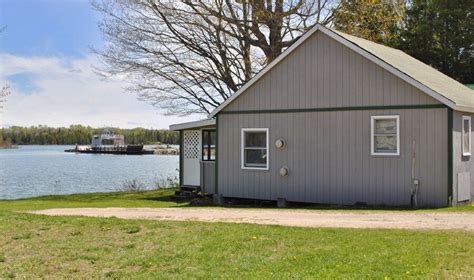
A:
422,76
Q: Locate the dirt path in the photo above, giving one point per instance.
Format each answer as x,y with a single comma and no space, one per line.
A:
285,217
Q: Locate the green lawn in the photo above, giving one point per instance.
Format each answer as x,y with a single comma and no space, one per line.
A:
117,199
161,198
78,247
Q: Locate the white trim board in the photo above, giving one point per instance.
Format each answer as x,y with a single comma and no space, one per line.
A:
358,49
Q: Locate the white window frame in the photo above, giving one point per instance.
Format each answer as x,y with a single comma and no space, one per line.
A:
372,136
242,147
466,153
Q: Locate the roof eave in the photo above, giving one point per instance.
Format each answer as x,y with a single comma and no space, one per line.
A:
462,108
193,125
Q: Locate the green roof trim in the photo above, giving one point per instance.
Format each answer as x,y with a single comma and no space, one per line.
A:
471,86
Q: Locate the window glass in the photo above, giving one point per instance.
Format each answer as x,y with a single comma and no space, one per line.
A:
385,138
255,139
255,157
205,153
212,145
255,151
208,145
212,154
466,135
386,126
385,144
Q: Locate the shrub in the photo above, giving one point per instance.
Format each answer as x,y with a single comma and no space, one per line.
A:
167,182
132,186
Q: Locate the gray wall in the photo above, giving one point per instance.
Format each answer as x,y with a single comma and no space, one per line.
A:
328,153
461,163
208,176
324,73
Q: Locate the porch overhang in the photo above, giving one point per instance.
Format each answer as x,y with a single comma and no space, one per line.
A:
193,125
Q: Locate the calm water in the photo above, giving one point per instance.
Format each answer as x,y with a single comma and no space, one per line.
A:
43,170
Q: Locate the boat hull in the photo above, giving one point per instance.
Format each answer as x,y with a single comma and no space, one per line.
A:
114,150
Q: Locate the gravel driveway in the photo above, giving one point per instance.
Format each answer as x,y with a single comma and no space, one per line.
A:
284,217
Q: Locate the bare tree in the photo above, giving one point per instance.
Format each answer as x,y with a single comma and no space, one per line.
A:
190,56
4,92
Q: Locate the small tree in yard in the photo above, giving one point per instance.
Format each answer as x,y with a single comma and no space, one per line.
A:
190,56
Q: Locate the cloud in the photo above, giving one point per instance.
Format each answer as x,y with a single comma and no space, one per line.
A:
59,91
23,82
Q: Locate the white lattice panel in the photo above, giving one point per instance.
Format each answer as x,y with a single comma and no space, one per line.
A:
192,143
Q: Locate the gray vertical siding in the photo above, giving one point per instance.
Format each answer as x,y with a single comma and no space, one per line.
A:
461,163
324,73
328,154
208,176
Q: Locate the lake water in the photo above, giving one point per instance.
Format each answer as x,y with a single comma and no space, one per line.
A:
44,170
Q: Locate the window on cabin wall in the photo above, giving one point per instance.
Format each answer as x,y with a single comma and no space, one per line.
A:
208,145
255,148
466,135
385,134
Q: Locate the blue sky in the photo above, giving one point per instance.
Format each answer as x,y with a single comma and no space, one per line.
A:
45,57
49,27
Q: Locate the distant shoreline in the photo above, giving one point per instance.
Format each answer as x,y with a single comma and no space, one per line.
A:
159,149
5,147
82,135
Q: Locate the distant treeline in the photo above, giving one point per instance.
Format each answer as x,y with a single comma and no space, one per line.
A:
78,134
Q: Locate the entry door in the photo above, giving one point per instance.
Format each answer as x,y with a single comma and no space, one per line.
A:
191,157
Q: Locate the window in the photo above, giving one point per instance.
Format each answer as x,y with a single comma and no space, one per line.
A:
255,148
385,134
466,136
208,145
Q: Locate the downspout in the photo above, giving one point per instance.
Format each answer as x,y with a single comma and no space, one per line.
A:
415,181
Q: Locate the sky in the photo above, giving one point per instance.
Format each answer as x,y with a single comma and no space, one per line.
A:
46,60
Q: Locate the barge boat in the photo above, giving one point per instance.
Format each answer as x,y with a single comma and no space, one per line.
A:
118,148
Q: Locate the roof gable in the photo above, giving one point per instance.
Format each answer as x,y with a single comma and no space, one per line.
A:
322,73
412,71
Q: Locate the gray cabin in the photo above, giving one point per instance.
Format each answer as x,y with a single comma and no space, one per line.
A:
337,119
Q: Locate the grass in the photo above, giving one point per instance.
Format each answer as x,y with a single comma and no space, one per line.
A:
78,247
162,198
